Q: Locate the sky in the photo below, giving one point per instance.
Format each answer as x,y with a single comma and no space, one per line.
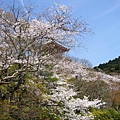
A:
103,17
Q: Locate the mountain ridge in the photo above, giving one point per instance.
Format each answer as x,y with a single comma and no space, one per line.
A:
112,67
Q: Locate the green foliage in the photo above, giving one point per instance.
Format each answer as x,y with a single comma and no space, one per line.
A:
94,89
106,114
97,90
45,115
115,98
28,102
112,67
53,79
4,110
49,66
6,116
71,80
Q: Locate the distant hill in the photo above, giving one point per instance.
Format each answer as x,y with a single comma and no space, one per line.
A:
111,67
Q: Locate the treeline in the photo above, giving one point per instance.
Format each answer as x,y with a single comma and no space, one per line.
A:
111,67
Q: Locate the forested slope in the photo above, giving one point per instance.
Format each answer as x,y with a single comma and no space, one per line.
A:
111,67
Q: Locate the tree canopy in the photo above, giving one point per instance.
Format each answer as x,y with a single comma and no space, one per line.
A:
111,67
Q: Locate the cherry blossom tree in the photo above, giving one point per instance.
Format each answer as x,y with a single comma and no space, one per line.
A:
65,97
22,37
23,54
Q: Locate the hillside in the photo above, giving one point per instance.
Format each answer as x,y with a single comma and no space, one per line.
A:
86,82
111,67
69,91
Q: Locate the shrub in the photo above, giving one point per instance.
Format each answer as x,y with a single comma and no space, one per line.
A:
106,114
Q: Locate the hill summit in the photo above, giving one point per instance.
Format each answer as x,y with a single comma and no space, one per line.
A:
112,67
